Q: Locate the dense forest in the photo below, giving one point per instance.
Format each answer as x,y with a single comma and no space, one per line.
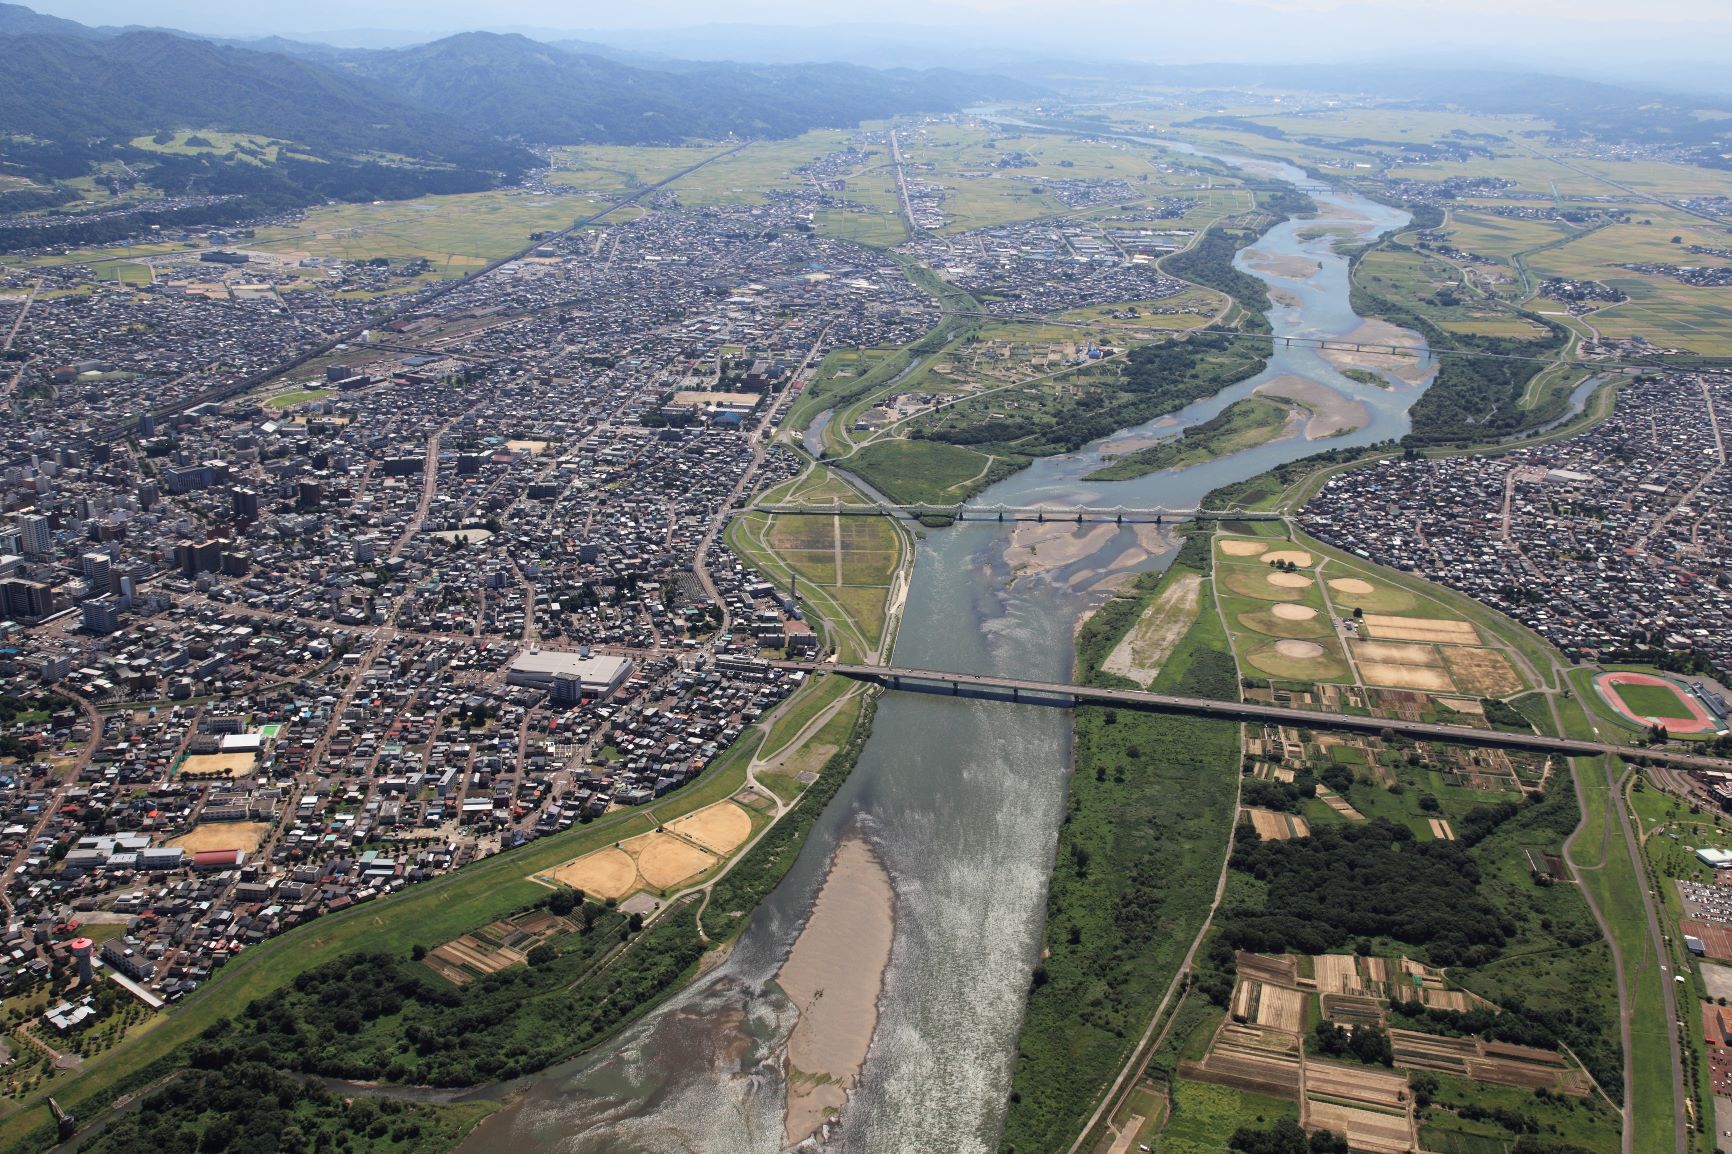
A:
246,1107
386,1018
513,86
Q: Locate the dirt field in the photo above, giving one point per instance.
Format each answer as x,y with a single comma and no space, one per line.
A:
1420,629
1440,829
1289,580
719,828
1140,654
664,860
1275,826
1302,650
241,835
1485,672
1294,612
218,765
1252,583
1234,547
1405,676
1383,651
1352,585
1298,556
606,873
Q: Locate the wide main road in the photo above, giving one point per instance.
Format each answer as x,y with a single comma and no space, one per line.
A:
929,679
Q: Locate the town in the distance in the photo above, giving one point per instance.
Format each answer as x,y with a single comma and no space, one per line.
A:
561,591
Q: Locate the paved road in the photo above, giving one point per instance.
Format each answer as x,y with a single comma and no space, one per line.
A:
894,677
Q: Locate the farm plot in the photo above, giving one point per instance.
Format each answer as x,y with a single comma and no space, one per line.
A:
497,946
1251,1058
1375,1131
1272,825
1519,1066
1484,672
1277,1007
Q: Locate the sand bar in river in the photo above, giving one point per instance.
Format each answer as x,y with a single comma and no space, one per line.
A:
1332,412
833,976
1405,367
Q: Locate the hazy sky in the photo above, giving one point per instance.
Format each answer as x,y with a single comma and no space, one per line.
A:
1585,32
309,15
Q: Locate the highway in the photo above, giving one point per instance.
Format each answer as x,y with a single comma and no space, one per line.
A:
1045,692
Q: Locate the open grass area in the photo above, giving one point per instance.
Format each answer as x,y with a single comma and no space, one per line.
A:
927,472
1617,888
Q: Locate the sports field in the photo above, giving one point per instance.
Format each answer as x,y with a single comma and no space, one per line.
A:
660,859
1648,700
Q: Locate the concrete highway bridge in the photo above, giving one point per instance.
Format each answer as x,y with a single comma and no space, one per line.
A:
1076,514
1057,693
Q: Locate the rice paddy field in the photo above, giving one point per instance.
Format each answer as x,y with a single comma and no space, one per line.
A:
456,234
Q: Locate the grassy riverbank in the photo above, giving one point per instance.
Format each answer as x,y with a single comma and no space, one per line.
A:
1145,835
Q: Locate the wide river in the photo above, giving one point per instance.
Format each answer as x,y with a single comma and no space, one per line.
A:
960,799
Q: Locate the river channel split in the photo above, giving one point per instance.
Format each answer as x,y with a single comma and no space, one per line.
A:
959,799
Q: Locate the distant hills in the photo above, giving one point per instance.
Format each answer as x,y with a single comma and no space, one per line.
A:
453,115
513,86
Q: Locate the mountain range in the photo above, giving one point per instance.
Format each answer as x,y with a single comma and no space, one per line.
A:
452,115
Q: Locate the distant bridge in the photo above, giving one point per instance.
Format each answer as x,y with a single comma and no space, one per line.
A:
1041,514
1060,694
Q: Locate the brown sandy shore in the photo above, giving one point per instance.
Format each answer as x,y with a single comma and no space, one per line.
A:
833,976
1404,368
1295,267
1331,411
1036,547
